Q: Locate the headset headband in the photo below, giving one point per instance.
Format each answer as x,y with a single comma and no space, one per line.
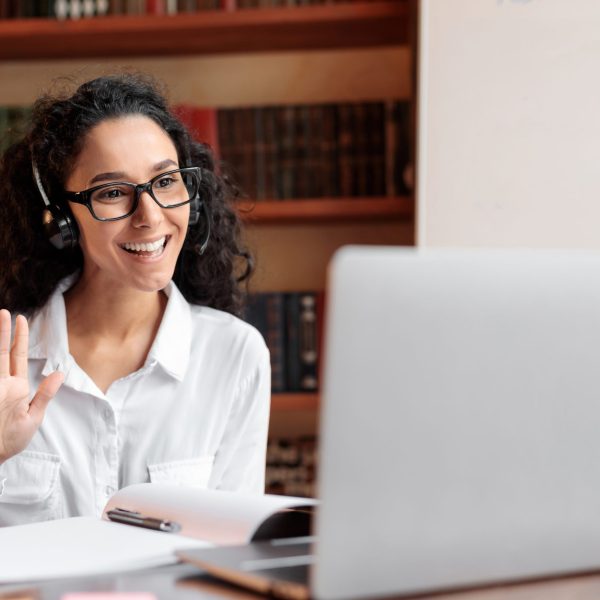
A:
38,181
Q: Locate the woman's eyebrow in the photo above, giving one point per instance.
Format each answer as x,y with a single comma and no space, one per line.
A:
164,164
109,176
120,175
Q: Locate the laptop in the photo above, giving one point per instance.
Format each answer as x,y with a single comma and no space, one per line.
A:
459,429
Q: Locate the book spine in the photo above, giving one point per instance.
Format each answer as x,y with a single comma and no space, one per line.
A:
329,152
265,311
248,136
259,153
376,148
271,153
276,336
302,346
155,7
317,169
301,158
345,149
360,156
116,7
288,122
202,124
308,341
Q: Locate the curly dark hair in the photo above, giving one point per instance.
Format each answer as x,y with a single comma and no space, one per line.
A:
31,267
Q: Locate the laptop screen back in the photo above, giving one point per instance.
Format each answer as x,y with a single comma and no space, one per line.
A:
460,426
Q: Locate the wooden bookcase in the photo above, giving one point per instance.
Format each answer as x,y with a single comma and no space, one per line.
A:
333,52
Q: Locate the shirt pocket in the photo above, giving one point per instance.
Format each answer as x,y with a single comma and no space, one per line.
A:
29,489
193,471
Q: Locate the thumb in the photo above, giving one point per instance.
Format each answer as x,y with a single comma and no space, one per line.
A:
46,391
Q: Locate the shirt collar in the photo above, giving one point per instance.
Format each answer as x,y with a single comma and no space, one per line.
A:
48,329
171,348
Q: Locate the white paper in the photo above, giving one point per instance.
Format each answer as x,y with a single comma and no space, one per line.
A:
91,546
224,518
83,546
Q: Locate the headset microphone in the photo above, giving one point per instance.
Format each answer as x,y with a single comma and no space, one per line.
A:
59,225
196,207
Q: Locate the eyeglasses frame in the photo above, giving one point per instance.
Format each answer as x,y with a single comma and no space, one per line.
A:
83,197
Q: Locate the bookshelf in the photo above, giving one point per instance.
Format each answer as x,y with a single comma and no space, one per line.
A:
326,209
359,24
292,402
356,51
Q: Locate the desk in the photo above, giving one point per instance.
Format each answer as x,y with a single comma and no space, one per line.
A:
183,582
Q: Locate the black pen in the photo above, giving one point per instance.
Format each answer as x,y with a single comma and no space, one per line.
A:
120,515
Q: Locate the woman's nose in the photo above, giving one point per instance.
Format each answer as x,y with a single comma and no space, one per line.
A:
148,213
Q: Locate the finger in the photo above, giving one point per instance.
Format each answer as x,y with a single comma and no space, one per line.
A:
4,343
47,390
20,347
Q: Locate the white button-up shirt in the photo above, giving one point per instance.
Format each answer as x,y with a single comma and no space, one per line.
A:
196,413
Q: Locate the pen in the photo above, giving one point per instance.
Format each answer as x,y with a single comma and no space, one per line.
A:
120,515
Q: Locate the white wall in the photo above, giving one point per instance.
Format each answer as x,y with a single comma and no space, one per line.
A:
509,123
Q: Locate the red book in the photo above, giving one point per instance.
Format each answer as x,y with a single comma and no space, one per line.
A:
201,123
155,7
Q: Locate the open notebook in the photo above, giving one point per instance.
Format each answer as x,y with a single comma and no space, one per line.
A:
90,546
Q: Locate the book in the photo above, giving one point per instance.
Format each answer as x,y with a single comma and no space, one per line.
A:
201,123
266,312
81,546
302,349
291,324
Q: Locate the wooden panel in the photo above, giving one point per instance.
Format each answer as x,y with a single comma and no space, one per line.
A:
285,402
295,256
326,209
208,32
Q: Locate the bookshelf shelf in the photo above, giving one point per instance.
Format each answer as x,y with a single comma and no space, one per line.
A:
326,209
357,24
294,401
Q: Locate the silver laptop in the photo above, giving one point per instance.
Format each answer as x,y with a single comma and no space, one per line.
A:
460,427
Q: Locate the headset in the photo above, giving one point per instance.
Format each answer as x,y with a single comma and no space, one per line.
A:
60,226
62,231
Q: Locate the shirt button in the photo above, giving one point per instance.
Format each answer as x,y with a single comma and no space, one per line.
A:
109,490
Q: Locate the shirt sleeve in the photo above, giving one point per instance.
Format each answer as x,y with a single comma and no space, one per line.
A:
240,461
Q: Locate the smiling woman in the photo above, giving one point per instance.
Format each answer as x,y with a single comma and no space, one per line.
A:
120,246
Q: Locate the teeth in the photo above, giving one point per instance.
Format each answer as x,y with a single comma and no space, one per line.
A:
152,247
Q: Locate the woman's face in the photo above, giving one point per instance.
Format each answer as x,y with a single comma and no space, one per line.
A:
133,149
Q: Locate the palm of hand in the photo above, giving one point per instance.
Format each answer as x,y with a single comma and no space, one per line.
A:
19,417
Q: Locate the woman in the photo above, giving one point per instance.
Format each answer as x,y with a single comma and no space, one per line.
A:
118,243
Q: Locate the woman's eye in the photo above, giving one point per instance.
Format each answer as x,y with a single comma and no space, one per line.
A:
165,182
109,195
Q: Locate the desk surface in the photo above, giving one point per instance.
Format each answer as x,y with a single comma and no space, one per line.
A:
184,582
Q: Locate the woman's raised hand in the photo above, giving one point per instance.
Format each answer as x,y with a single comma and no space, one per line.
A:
19,417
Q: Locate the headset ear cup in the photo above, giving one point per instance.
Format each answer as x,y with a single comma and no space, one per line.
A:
60,227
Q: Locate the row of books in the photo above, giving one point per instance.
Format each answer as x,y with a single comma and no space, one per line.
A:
291,323
77,9
357,149
291,466
295,151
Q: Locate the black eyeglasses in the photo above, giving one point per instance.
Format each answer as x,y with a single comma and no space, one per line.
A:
119,200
